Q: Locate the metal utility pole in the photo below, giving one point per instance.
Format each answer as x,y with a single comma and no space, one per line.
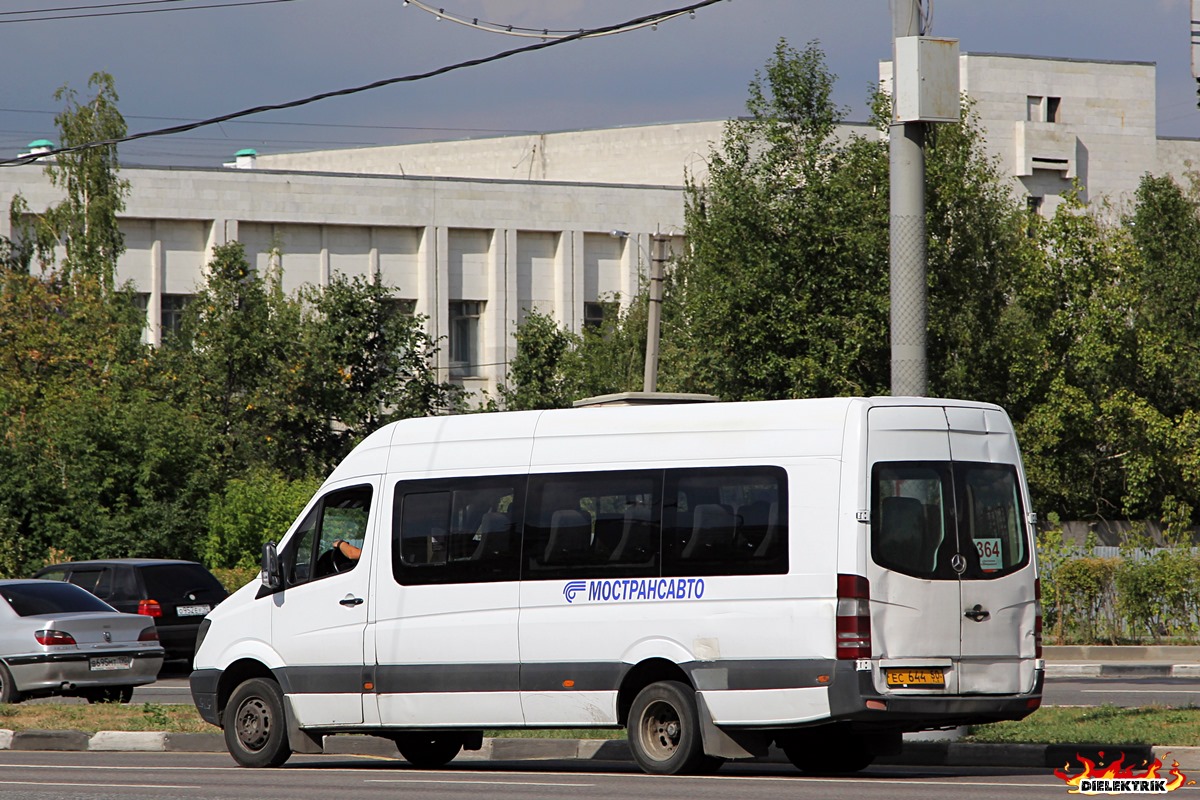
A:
907,155
658,257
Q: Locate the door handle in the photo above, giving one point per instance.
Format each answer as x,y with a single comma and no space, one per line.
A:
977,614
351,601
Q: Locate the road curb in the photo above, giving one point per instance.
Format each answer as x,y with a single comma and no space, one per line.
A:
1121,670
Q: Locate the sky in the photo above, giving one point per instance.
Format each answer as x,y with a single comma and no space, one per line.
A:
183,64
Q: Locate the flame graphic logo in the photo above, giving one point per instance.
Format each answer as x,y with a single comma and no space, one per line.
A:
1117,771
573,588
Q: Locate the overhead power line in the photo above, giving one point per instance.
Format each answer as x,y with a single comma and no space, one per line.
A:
188,7
532,33
475,62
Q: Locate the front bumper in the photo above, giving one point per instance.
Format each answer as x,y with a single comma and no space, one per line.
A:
204,683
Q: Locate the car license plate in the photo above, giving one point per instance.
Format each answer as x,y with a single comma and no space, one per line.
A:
911,677
106,663
192,611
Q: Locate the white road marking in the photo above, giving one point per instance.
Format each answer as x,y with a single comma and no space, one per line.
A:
1139,691
45,784
480,783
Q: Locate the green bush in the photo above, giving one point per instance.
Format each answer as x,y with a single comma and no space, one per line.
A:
253,510
1086,593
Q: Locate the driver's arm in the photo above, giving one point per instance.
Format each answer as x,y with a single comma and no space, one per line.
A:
347,549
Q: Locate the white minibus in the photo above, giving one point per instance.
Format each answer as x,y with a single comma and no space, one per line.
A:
823,575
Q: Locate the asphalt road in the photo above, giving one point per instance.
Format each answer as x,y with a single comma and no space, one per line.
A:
193,776
1122,692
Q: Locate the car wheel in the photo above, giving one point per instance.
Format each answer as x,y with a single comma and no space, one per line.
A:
428,751
8,689
109,694
828,754
664,730
255,729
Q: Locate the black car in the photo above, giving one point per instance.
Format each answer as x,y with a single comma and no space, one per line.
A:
176,594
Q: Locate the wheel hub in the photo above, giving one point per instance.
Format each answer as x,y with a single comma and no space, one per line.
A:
253,724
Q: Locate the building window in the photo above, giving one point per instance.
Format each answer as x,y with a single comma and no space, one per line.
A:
400,306
1033,204
1033,108
1042,109
464,337
594,314
173,306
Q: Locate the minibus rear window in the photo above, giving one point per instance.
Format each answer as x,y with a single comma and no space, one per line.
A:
925,513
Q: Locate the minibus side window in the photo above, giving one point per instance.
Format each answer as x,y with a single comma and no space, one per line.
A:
309,553
725,521
458,530
593,525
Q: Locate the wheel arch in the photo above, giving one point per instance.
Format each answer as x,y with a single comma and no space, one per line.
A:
234,675
641,675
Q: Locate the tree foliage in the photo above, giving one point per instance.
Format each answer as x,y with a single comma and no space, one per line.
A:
84,224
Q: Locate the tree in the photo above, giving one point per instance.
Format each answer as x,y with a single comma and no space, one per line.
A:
292,383
540,368
84,224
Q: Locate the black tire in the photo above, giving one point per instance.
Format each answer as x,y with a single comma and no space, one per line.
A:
664,730
829,754
8,689
428,750
255,726
109,694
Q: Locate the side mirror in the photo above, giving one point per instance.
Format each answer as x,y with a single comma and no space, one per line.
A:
271,576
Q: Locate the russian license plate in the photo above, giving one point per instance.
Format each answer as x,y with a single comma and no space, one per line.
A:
910,677
192,611
106,663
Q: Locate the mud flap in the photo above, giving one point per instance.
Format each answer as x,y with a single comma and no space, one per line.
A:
300,740
732,744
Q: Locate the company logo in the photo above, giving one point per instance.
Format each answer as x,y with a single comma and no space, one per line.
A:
573,588
1116,778
631,589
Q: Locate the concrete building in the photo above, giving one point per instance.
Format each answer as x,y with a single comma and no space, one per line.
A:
475,233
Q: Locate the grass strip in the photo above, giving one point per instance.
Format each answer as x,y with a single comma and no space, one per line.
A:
1157,725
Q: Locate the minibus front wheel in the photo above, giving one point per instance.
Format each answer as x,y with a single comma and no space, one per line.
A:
255,727
664,731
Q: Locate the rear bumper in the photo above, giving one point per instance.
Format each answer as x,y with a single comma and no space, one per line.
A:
49,672
853,698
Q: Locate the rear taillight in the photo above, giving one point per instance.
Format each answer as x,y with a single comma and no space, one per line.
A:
1037,619
149,635
149,608
53,637
853,617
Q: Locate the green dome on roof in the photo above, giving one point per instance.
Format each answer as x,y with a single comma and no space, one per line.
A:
249,151
41,143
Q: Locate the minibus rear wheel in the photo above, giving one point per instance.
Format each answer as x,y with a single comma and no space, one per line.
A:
255,728
664,730
827,753
428,751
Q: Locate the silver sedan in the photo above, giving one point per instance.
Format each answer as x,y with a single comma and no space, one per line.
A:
59,639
